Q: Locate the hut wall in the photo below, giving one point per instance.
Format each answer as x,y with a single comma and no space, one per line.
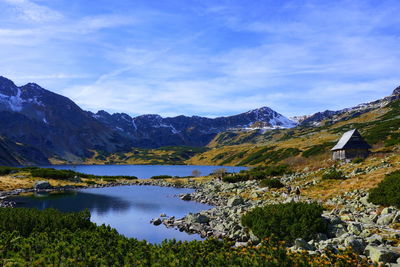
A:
338,154
356,153
349,154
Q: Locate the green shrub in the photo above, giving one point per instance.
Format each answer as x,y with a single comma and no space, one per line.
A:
271,183
387,191
257,173
333,173
50,173
286,221
317,149
25,221
161,177
267,156
357,160
4,170
48,238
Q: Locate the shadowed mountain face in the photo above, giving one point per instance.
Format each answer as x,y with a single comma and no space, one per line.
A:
12,153
154,131
52,123
56,127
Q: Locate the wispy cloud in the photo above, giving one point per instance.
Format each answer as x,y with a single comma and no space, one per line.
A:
29,11
207,58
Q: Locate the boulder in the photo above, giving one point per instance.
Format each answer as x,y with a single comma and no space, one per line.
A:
385,219
196,218
300,243
202,219
186,197
157,221
42,185
388,210
355,228
374,239
380,254
240,244
356,243
234,201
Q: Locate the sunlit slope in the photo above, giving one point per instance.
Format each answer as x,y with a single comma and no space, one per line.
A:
303,146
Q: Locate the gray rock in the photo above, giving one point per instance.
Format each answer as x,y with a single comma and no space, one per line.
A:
380,254
253,237
374,239
387,210
320,237
157,221
396,218
240,244
234,201
337,230
186,197
300,243
356,243
355,228
385,219
42,185
202,219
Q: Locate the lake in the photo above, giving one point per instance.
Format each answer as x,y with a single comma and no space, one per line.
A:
128,209
144,171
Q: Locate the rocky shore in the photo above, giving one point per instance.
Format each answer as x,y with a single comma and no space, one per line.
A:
353,222
371,231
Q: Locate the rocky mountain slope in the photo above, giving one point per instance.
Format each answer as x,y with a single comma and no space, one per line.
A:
151,131
51,123
334,116
309,143
61,130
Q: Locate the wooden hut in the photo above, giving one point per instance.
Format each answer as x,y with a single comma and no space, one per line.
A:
351,145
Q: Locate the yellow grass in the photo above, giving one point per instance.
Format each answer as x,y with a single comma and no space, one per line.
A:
330,188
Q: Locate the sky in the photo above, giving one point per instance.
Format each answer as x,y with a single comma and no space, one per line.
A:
204,57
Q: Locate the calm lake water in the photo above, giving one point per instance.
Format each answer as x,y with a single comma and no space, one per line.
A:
128,209
144,171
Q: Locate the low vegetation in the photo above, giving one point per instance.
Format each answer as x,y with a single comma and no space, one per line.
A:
334,173
257,173
271,183
49,238
161,177
50,173
268,155
317,149
387,191
171,155
286,221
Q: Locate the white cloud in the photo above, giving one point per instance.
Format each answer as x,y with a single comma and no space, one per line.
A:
326,56
30,11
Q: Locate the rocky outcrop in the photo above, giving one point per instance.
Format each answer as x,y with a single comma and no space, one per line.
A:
39,185
354,223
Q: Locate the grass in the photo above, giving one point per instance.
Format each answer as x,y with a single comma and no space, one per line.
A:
326,189
303,146
171,155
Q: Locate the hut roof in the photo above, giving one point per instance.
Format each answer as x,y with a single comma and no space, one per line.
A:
351,139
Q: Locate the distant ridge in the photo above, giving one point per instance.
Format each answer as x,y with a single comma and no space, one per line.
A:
58,128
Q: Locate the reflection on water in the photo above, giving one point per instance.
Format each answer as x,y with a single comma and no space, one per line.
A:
72,201
126,208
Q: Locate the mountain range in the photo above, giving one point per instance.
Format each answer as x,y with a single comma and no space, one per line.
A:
37,124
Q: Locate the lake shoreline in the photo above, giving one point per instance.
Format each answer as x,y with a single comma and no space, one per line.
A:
353,222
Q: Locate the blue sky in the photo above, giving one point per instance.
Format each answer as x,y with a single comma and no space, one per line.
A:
205,57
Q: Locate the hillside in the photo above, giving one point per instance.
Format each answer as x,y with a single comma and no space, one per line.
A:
64,133
309,143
